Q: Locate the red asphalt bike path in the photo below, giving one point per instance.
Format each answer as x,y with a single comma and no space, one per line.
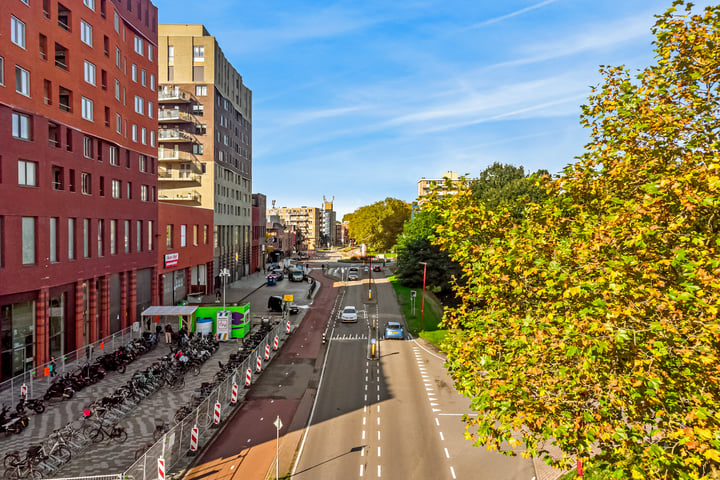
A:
246,447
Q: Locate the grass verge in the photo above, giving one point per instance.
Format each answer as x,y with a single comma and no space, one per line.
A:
430,318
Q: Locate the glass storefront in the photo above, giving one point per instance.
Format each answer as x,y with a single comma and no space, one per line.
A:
17,327
57,324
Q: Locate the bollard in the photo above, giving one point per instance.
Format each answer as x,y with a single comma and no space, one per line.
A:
267,352
216,416
161,468
275,343
287,327
258,366
193,441
233,395
248,377
23,391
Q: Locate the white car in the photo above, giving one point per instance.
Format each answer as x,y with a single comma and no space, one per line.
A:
353,273
349,314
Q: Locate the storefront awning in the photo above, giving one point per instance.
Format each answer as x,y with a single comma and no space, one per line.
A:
169,311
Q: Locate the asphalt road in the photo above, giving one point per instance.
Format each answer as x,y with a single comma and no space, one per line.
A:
394,416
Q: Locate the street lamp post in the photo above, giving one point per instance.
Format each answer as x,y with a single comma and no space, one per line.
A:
422,307
224,273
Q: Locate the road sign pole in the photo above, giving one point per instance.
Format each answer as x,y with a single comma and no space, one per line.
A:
278,425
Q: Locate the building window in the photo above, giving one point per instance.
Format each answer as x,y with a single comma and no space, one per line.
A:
53,239
116,189
100,235
183,235
116,21
150,235
195,235
113,237
128,193
126,237
2,71
139,104
86,238
87,109
88,147
133,70
143,77
198,73
143,133
28,240
118,57
114,156
27,173
143,193
138,236
200,90
86,32
152,82
118,123
21,126
90,73
57,178
71,238
63,15
142,163
168,237
198,53
197,148
22,81
90,4
17,32
171,53
134,132
117,89
150,53
85,183
152,138
150,110
139,47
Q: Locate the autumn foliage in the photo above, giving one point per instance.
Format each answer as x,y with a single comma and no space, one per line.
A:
598,328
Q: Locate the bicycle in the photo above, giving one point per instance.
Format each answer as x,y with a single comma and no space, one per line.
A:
160,430
112,432
16,468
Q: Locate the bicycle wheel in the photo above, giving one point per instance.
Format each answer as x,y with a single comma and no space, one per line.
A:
181,414
195,370
13,474
119,434
96,435
11,460
62,453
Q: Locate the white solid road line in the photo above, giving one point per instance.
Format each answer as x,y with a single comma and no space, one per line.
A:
361,470
452,471
447,454
442,437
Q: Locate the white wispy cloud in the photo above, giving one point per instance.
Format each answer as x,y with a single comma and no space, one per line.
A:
512,14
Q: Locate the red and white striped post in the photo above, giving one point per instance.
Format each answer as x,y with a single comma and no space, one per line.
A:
275,343
23,391
267,352
258,366
233,394
287,327
193,441
248,377
216,416
161,468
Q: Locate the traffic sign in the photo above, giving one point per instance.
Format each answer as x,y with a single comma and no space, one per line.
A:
278,423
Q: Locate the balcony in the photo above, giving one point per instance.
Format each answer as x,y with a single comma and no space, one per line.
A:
165,155
192,196
174,116
174,135
174,95
175,177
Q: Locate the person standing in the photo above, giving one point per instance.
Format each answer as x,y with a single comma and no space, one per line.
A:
168,333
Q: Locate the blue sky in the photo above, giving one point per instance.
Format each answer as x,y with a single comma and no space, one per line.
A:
360,99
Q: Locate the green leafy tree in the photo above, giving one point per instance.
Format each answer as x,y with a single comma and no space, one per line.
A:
507,185
378,225
599,329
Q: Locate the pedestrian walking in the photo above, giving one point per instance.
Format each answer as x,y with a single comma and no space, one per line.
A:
182,336
168,333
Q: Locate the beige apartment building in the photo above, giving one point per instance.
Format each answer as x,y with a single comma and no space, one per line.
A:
447,188
307,220
205,139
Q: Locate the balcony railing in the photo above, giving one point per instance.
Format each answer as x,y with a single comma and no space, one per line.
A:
174,95
174,116
175,176
191,196
174,135
176,155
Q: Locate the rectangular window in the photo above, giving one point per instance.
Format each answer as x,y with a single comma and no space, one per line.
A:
21,126
2,71
150,53
138,236
118,123
100,235
152,82
27,173
143,193
86,238
71,238
128,193
143,133
116,189
205,234
28,240
113,237
88,147
22,81
200,90
168,237
183,235
117,89
86,183
139,105
152,138
139,47
17,32
53,239
150,110
116,21
195,235
143,77
126,237
90,73
90,4
114,156
198,53
87,109
118,57
86,32
133,70
134,133
150,235
142,163
171,53
198,73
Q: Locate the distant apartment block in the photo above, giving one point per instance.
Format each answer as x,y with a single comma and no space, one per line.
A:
205,141
307,220
448,184
328,235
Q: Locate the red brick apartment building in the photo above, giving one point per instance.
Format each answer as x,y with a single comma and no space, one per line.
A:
78,173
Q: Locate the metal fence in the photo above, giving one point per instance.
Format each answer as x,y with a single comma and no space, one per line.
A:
40,377
175,444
